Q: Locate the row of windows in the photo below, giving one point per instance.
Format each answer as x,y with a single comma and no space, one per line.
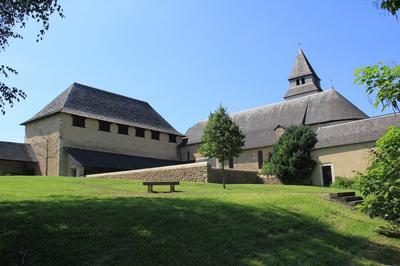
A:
79,121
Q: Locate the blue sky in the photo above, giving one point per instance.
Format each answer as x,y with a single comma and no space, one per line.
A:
185,57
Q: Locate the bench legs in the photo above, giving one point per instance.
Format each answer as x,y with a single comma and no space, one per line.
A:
150,188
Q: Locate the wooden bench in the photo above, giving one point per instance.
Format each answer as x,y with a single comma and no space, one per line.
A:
150,185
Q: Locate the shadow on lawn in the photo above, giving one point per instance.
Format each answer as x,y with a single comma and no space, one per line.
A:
172,231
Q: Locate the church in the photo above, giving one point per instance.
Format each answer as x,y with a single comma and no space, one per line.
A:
85,131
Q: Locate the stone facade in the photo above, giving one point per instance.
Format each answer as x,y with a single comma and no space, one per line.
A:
193,172
234,176
50,136
346,160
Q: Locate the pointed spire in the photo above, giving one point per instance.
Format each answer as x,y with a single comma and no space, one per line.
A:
303,80
301,66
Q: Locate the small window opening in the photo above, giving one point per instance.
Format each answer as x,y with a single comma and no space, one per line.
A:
231,163
297,82
260,159
123,129
139,132
172,138
104,126
303,80
78,121
155,135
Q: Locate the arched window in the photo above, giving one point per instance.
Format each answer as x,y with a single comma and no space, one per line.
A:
260,159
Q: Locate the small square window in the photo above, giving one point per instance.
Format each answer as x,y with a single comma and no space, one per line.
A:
104,126
78,121
155,135
172,138
123,129
139,132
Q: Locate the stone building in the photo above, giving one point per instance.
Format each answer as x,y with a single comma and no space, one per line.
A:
86,131
344,132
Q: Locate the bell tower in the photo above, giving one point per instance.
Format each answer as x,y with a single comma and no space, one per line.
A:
303,80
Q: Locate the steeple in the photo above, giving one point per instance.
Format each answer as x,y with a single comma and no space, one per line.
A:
303,80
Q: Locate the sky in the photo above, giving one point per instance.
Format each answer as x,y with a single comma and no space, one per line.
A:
186,57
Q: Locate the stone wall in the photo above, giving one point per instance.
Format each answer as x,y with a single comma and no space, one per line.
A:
234,176
193,172
271,180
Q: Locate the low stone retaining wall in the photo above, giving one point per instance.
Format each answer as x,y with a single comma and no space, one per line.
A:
234,176
271,180
192,172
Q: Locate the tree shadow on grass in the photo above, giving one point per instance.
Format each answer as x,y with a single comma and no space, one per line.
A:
149,231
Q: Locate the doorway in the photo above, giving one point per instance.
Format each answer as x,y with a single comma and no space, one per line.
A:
327,174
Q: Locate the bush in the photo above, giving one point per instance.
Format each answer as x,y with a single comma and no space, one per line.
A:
343,182
380,184
290,159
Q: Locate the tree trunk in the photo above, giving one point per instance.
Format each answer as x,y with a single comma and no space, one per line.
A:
223,174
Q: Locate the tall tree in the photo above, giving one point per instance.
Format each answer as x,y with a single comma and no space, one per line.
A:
222,139
380,79
290,159
14,14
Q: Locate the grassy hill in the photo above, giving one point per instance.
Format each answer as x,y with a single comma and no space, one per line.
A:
67,221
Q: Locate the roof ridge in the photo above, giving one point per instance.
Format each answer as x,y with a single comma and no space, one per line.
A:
359,120
109,92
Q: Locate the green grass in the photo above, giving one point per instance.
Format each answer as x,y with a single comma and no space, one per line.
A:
66,221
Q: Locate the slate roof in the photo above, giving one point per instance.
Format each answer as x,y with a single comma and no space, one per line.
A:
301,67
12,151
365,130
93,103
301,90
90,158
259,123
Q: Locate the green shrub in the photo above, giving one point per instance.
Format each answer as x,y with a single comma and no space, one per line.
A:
290,159
343,182
380,184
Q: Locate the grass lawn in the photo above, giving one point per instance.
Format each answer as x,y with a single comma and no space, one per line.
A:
67,221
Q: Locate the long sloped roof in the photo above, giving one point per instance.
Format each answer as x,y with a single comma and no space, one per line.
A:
12,151
259,123
360,131
93,103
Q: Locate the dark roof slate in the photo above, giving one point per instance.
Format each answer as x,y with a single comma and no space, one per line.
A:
360,131
90,158
93,103
301,66
301,90
12,151
259,123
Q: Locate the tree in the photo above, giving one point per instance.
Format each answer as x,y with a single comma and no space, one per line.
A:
290,159
392,6
382,79
380,184
14,14
222,138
